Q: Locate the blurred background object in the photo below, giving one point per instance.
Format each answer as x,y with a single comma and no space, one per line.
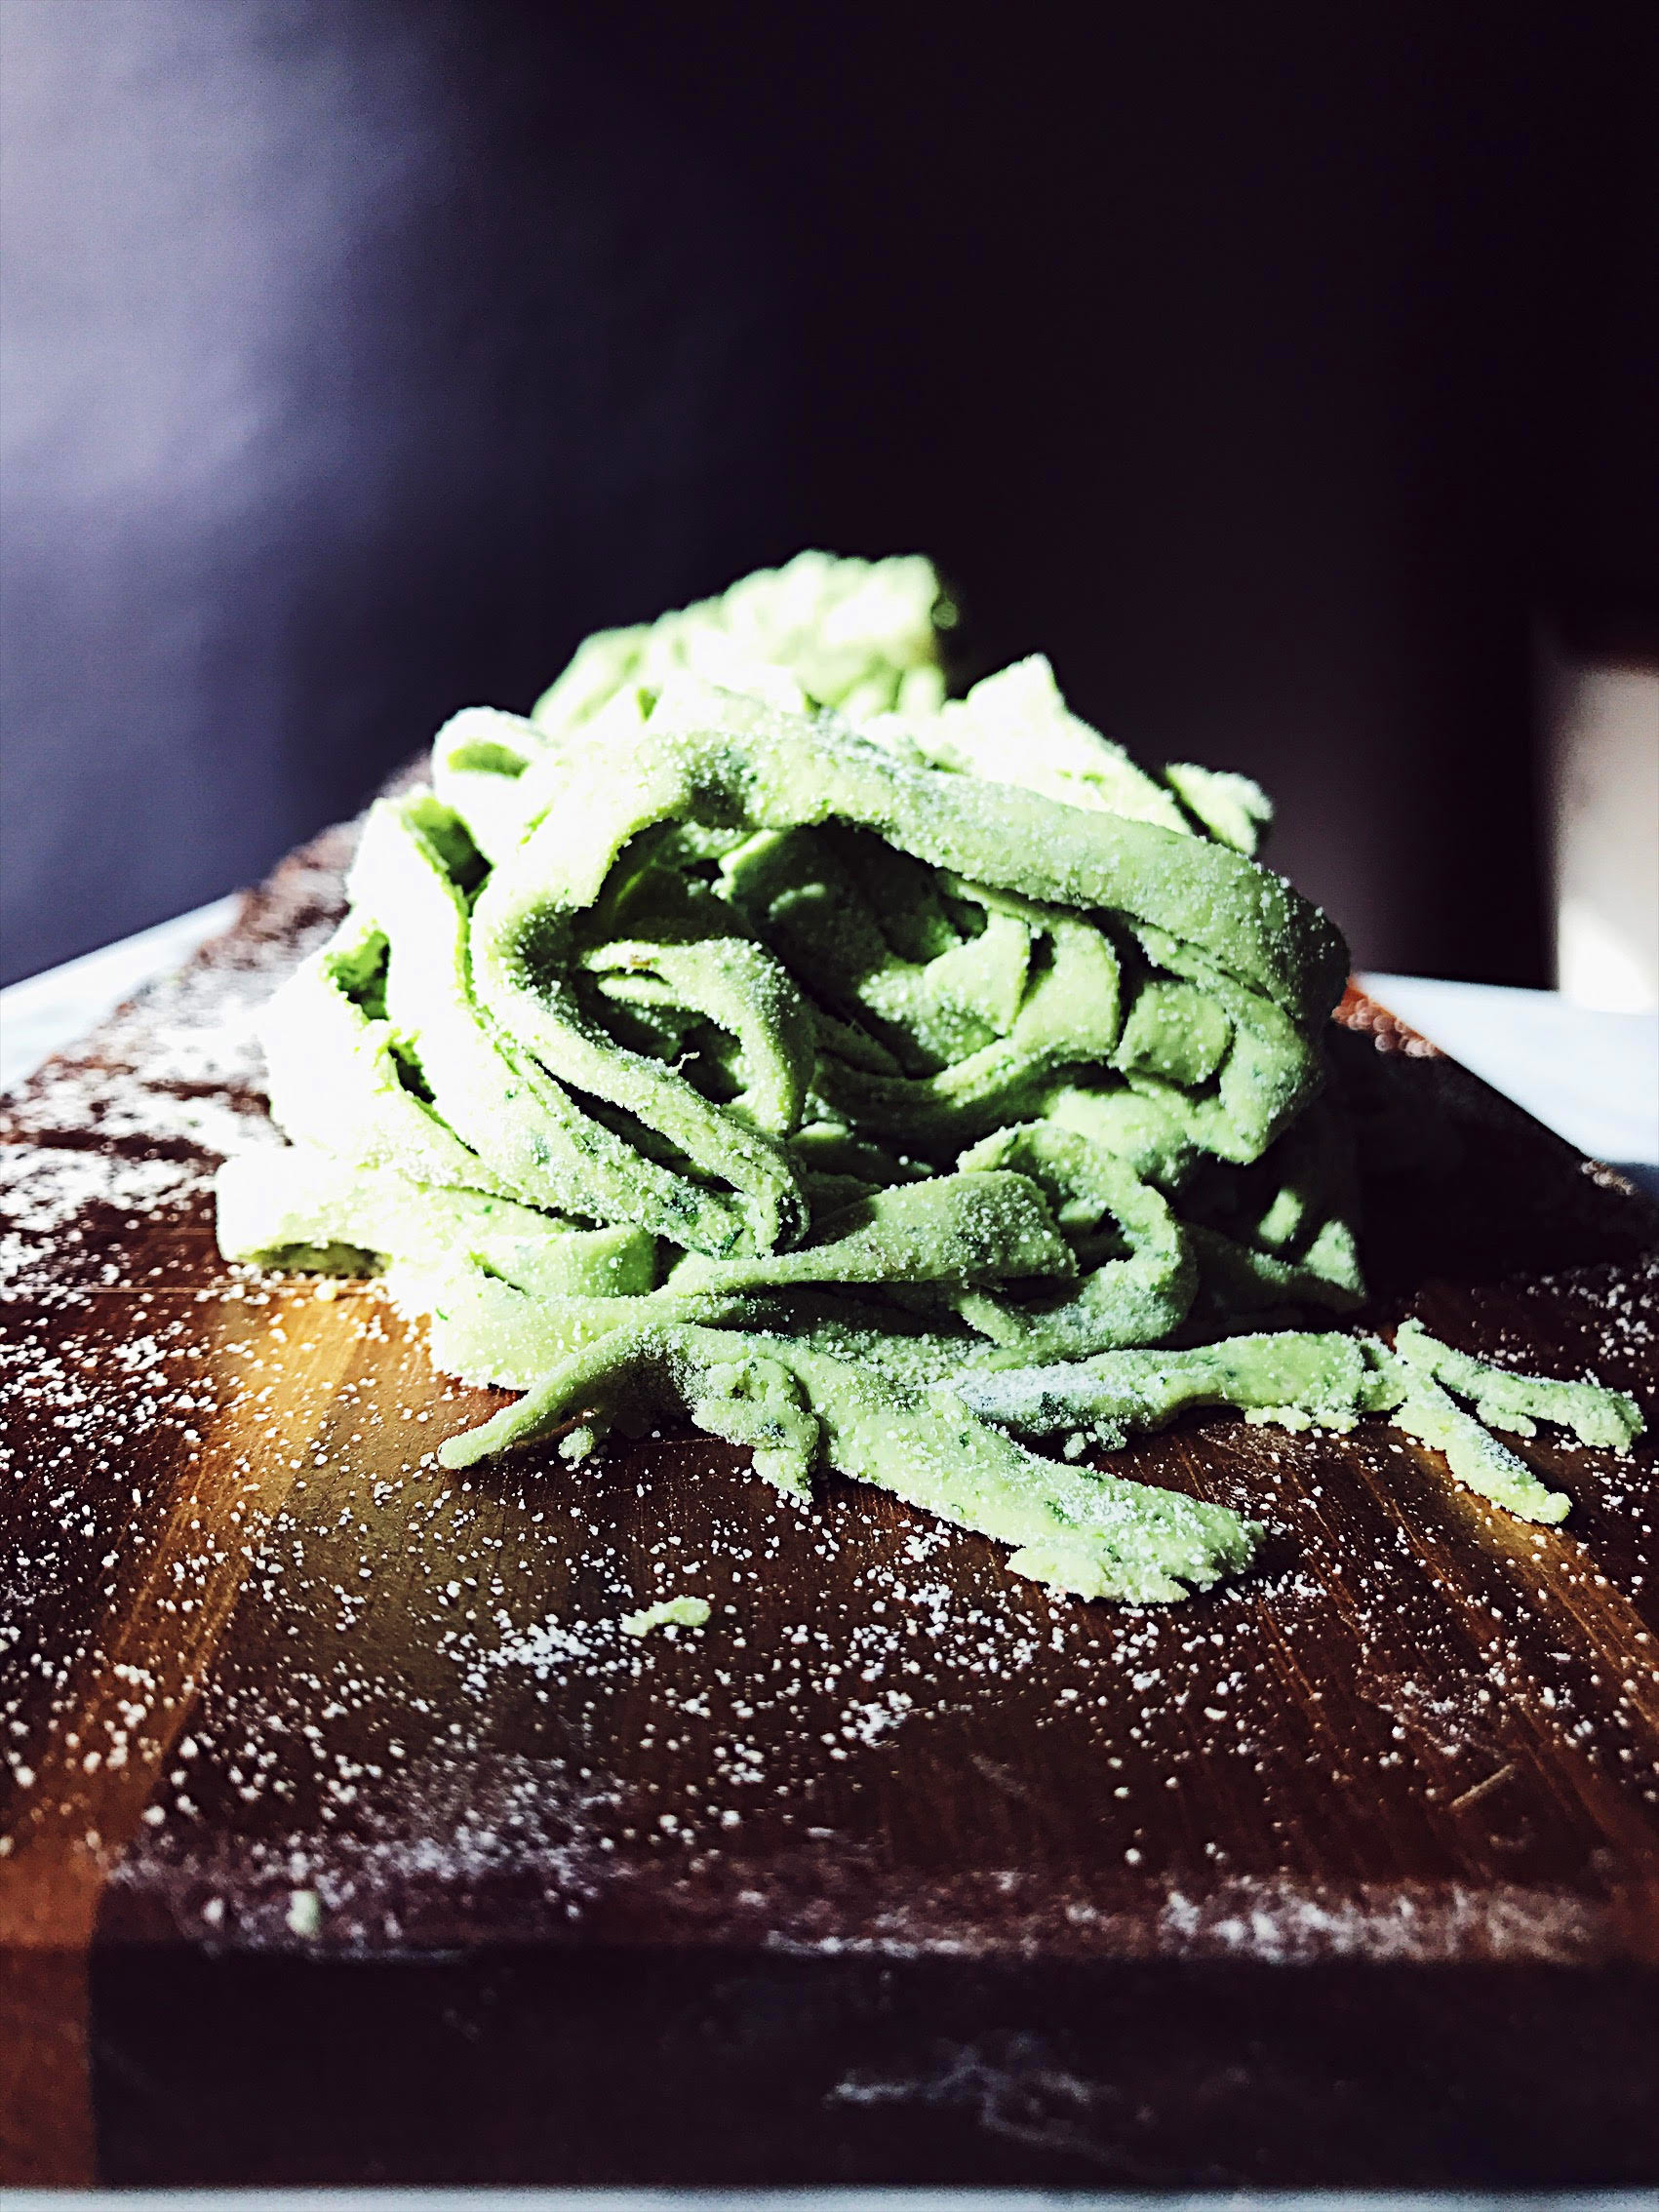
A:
1601,763
1278,370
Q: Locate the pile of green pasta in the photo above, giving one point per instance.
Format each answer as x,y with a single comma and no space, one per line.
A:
880,1080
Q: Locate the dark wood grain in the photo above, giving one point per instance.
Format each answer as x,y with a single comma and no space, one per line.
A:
347,1837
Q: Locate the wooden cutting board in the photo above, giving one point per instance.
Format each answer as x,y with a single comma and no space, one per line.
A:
348,1838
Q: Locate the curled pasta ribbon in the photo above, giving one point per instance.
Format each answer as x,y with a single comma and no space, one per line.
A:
882,1080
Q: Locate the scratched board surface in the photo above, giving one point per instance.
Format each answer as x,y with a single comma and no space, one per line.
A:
347,1835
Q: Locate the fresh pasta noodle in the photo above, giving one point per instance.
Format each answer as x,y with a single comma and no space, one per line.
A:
879,1078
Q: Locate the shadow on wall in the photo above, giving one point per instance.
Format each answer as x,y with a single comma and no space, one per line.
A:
362,354
357,366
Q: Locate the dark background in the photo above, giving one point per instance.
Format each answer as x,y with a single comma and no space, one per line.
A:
1277,368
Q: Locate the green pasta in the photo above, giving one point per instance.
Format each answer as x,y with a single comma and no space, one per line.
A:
881,1079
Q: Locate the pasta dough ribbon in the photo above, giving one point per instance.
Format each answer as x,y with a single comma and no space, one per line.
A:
882,1080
